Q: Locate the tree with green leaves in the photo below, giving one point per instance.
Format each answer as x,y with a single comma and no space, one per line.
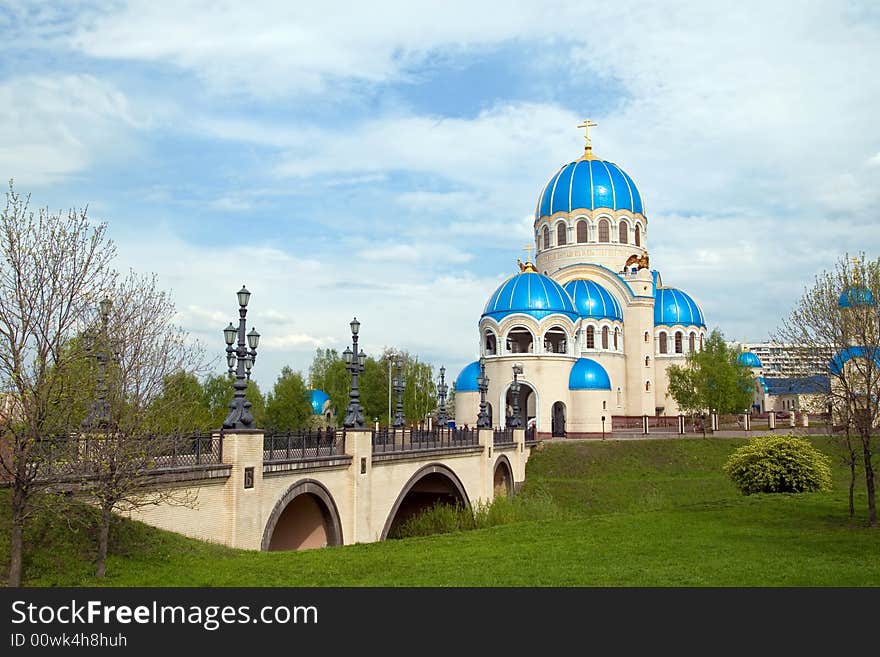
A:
217,394
840,311
288,405
53,269
179,407
712,379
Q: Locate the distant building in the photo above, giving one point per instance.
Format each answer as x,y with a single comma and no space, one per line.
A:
788,360
808,394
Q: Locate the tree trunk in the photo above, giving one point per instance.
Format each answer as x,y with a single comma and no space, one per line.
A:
16,539
852,486
869,483
103,540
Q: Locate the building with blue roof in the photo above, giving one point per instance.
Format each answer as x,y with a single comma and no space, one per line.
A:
588,324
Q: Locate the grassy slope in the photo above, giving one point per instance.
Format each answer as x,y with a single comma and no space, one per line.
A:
638,513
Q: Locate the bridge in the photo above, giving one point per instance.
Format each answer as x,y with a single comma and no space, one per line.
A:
305,490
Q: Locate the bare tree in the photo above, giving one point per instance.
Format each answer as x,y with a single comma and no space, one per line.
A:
138,349
53,268
840,311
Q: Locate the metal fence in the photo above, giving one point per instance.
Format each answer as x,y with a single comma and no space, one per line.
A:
93,455
302,445
629,423
502,436
532,434
407,440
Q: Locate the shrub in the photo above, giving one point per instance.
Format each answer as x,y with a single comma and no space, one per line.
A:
779,464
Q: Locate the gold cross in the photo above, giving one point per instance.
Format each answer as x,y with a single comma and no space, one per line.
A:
855,264
528,248
586,125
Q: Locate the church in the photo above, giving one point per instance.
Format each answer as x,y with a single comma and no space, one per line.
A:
587,330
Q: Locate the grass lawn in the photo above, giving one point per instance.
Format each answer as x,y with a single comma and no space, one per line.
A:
626,513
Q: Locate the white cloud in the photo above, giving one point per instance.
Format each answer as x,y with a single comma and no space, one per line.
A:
54,126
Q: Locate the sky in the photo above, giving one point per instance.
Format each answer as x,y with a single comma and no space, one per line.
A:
383,159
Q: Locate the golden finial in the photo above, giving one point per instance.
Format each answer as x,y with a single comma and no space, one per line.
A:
588,148
528,248
855,264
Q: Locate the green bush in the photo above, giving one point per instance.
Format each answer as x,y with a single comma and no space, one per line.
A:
779,464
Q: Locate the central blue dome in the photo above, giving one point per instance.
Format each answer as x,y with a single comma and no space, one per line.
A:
856,296
672,306
589,184
593,300
531,293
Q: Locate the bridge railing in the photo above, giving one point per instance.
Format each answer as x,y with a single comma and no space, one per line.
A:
302,445
90,455
407,440
502,436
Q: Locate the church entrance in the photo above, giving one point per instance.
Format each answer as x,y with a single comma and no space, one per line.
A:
558,420
526,405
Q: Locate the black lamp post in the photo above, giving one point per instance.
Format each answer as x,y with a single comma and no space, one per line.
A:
441,391
483,386
515,421
399,387
354,361
99,414
242,357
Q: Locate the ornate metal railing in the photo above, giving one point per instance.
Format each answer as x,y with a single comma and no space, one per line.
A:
407,440
502,436
624,422
88,455
302,445
663,422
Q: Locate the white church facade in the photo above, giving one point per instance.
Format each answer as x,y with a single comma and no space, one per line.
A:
588,327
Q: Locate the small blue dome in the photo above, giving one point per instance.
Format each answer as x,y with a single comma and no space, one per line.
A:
587,374
318,399
856,295
593,300
749,359
672,306
531,293
589,184
467,380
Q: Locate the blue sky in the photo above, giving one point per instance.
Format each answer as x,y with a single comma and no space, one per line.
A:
384,159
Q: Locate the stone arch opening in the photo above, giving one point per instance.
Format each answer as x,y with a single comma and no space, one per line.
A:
519,341
433,484
502,478
558,420
304,518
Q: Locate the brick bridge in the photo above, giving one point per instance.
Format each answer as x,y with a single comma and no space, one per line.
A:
297,491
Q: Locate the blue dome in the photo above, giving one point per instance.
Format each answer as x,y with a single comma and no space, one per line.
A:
842,357
530,293
856,296
467,380
749,359
318,399
672,306
593,300
589,184
587,374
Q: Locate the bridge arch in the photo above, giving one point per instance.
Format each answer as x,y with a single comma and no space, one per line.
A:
502,477
431,483
304,517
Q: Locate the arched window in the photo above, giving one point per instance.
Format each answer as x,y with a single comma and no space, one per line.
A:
647,337
678,345
546,237
647,386
581,232
638,239
623,230
647,361
560,235
491,344
619,397
616,336
591,337
692,342
604,404
663,349
604,337
604,231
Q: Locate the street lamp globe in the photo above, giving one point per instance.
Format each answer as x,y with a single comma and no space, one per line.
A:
243,297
